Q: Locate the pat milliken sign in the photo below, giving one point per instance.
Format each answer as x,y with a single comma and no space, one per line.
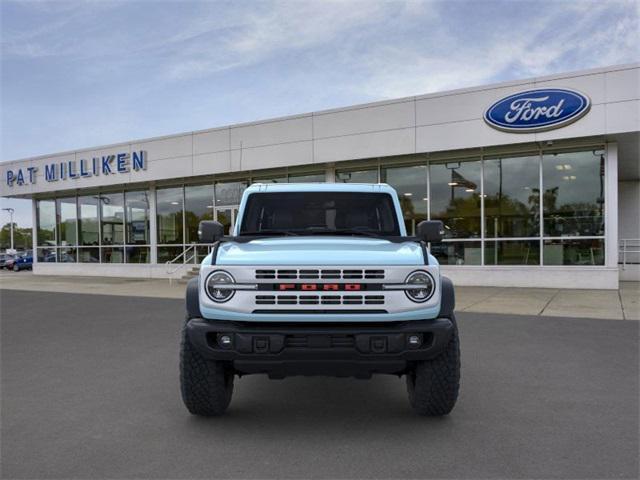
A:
537,110
104,165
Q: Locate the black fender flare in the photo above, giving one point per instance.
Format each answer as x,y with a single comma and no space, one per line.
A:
192,299
447,298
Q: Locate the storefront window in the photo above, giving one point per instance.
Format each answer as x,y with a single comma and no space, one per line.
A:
89,254
317,177
573,251
229,193
67,221
357,176
166,254
112,218
112,254
457,253
411,185
512,197
88,221
137,254
198,206
573,198
512,252
46,216
169,207
66,255
455,197
137,217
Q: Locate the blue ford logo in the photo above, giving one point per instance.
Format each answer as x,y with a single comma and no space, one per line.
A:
537,110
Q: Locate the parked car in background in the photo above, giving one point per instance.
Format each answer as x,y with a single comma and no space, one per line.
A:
23,261
4,258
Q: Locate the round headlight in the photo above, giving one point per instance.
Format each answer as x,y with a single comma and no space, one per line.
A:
218,294
425,286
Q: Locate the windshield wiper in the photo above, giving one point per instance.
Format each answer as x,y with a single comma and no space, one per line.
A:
284,233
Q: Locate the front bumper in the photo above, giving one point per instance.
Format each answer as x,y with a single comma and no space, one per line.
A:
343,350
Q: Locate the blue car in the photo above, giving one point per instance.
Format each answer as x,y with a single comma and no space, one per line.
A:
23,261
320,279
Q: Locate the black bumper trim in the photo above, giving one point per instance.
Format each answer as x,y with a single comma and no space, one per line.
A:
284,349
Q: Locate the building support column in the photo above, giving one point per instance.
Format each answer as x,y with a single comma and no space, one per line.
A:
330,173
153,230
611,205
34,232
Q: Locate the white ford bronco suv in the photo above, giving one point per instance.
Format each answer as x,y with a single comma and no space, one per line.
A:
320,279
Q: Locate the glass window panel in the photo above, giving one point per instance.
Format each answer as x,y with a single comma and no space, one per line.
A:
112,218
270,179
411,185
137,217
47,255
166,254
89,254
169,207
512,197
457,253
512,252
88,221
357,176
137,254
229,193
67,221
574,252
455,197
66,255
573,198
318,177
46,217
198,206
112,255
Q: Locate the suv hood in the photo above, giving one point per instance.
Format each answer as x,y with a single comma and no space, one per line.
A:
325,250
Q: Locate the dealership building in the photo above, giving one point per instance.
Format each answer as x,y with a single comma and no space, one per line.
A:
537,182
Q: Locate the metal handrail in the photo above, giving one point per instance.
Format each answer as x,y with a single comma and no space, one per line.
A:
628,245
185,261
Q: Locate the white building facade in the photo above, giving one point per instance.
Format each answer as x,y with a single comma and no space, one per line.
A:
537,181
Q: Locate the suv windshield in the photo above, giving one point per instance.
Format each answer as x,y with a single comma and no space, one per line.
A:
318,213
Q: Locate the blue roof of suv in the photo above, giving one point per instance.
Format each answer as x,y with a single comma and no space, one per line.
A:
320,187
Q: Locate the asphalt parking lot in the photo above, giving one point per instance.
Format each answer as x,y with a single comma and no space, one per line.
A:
90,390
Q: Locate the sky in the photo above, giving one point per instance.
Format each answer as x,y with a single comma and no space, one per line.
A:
87,73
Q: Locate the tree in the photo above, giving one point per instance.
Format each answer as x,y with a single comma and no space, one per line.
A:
22,237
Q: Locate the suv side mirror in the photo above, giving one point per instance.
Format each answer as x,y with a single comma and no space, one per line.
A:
430,231
210,231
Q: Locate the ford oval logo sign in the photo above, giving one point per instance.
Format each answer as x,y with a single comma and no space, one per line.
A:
537,110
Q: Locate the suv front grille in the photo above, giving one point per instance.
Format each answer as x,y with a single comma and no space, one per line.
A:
319,299
319,274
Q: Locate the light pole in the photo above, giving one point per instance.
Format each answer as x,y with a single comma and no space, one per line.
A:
10,210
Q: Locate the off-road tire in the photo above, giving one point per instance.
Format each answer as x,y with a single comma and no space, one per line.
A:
433,384
206,385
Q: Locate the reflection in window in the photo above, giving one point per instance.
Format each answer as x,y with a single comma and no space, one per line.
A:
512,197
169,208
46,254
112,218
137,217
46,217
269,179
318,177
357,176
411,185
112,255
89,255
457,253
137,254
88,221
574,252
198,206
229,193
67,219
166,254
512,252
455,197
573,198
66,255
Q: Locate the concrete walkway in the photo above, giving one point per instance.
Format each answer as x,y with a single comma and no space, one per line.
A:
623,304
